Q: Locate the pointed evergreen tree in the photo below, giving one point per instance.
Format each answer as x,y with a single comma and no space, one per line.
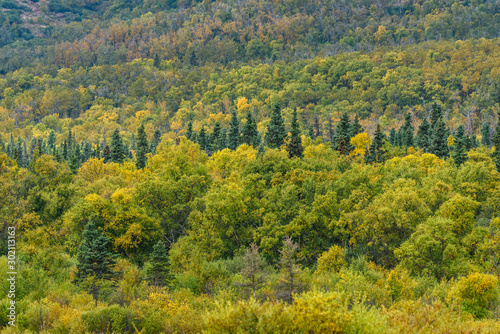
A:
436,114
95,261
117,149
473,141
156,62
234,132
330,129
392,137
189,131
356,127
156,141
222,140
496,145
407,134
294,146
214,137
133,144
202,139
485,134
157,269
142,148
423,135
253,271
106,154
344,135
276,132
249,133
87,151
439,140
311,133
290,270
317,127
460,150
51,142
376,153
69,142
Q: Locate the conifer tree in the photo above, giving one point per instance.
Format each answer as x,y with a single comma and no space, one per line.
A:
290,270
376,152
156,141
496,145
142,148
65,150
344,135
356,127
95,261
250,135
436,114
294,146
439,140
157,269
117,149
70,143
460,150
485,134
392,137
51,141
234,132
156,62
214,137
473,141
106,154
423,135
87,151
317,127
311,133
202,139
276,132
189,131
330,129
253,271
222,140
407,132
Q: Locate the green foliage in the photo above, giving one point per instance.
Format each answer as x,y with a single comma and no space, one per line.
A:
276,132
294,146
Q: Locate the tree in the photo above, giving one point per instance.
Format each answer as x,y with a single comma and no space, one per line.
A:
276,132
253,271
157,61
290,281
496,144
250,135
106,154
423,135
234,132
460,152
117,151
376,153
317,127
344,135
189,131
95,261
157,269
222,140
202,139
356,127
142,148
485,134
294,146
214,137
407,132
51,141
156,141
392,137
439,142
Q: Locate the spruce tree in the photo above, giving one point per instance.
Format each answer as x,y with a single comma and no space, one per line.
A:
392,137
276,132
344,135
70,143
356,127
65,152
407,133
222,140
253,271
189,131
51,141
214,137
317,127
496,145
310,133
106,154
436,114
202,139
294,146
460,150
156,62
87,151
439,140
376,152
156,141
423,135
290,271
142,148
95,261
234,132
157,269
249,134
118,152
485,134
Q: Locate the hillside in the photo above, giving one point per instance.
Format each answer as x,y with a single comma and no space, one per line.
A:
249,166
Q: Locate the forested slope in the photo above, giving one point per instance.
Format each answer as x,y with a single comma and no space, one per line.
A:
250,166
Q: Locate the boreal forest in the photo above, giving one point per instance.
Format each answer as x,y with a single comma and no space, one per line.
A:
249,166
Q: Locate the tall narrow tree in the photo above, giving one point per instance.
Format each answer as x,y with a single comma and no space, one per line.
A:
485,134
253,271
156,141
496,145
294,146
142,148
460,149
423,135
117,149
376,153
276,132
234,132
439,140
157,268
249,134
